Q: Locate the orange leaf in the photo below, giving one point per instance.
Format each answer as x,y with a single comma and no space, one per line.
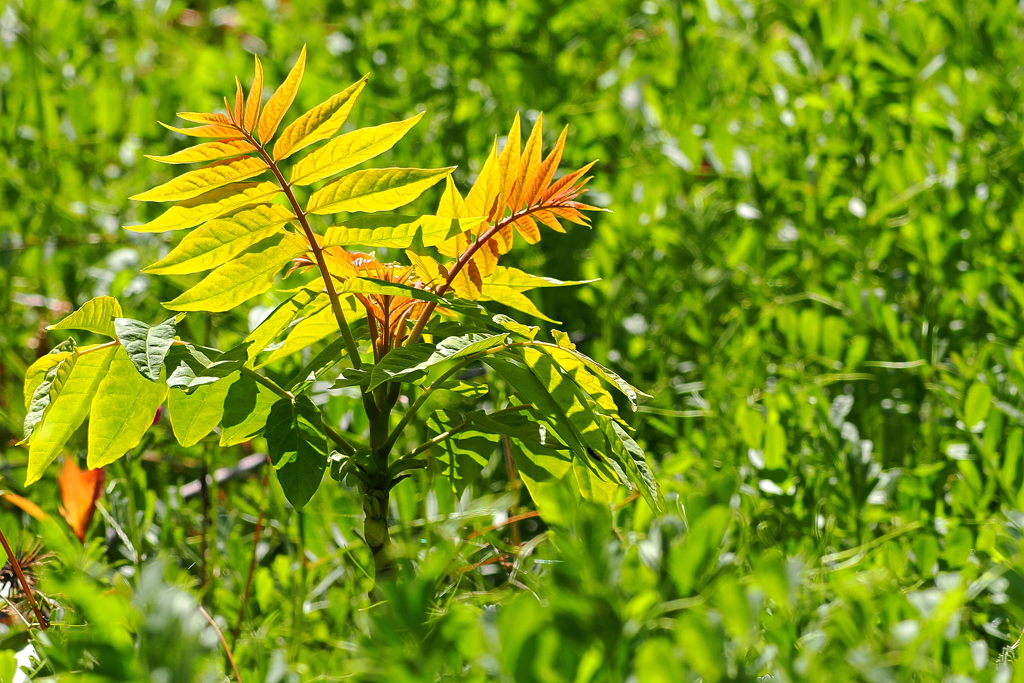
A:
239,101
566,182
527,227
530,162
252,106
548,219
79,491
282,98
26,505
508,165
546,171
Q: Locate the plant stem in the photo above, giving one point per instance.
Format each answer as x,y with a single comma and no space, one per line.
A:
314,246
223,642
24,582
456,429
411,413
267,382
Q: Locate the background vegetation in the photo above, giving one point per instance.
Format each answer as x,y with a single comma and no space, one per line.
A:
813,264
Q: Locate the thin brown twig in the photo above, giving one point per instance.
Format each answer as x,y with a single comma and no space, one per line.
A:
227,650
24,582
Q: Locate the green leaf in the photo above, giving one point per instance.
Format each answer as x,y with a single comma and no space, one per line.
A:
96,315
223,200
394,231
977,404
147,346
319,123
377,189
195,415
464,454
526,331
218,241
69,408
36,373
351,377
278,321
568,357
48,388
122,411
246,409
318,325
297,445
240,280
406,360
349,150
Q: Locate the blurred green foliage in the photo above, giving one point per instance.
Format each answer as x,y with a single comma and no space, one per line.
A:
812,264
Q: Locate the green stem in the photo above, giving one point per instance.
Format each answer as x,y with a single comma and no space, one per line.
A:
455,430
414,408
267,382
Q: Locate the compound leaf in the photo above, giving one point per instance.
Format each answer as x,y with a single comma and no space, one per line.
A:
205,179
319,123
213,204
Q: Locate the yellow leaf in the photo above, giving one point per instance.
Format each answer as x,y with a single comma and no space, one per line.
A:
314,327
349,150
221,131
319,123
282,98
96,315
201,180
378,189
122,410
220,240
485,190
213,204
69,409
36,373
427,269
206,151
239,280
389,230
545,172
522,281
512,298
452,204
252,107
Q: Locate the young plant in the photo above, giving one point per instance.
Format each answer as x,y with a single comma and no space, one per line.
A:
397,332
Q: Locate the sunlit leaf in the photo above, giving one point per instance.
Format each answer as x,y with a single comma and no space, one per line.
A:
278,104
319,123
349,150
394,231
218,241
281,317
378,189
96,315
212,204
70,408
247,276
219,131
206,151
252,105
195,415
122,410
205,179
